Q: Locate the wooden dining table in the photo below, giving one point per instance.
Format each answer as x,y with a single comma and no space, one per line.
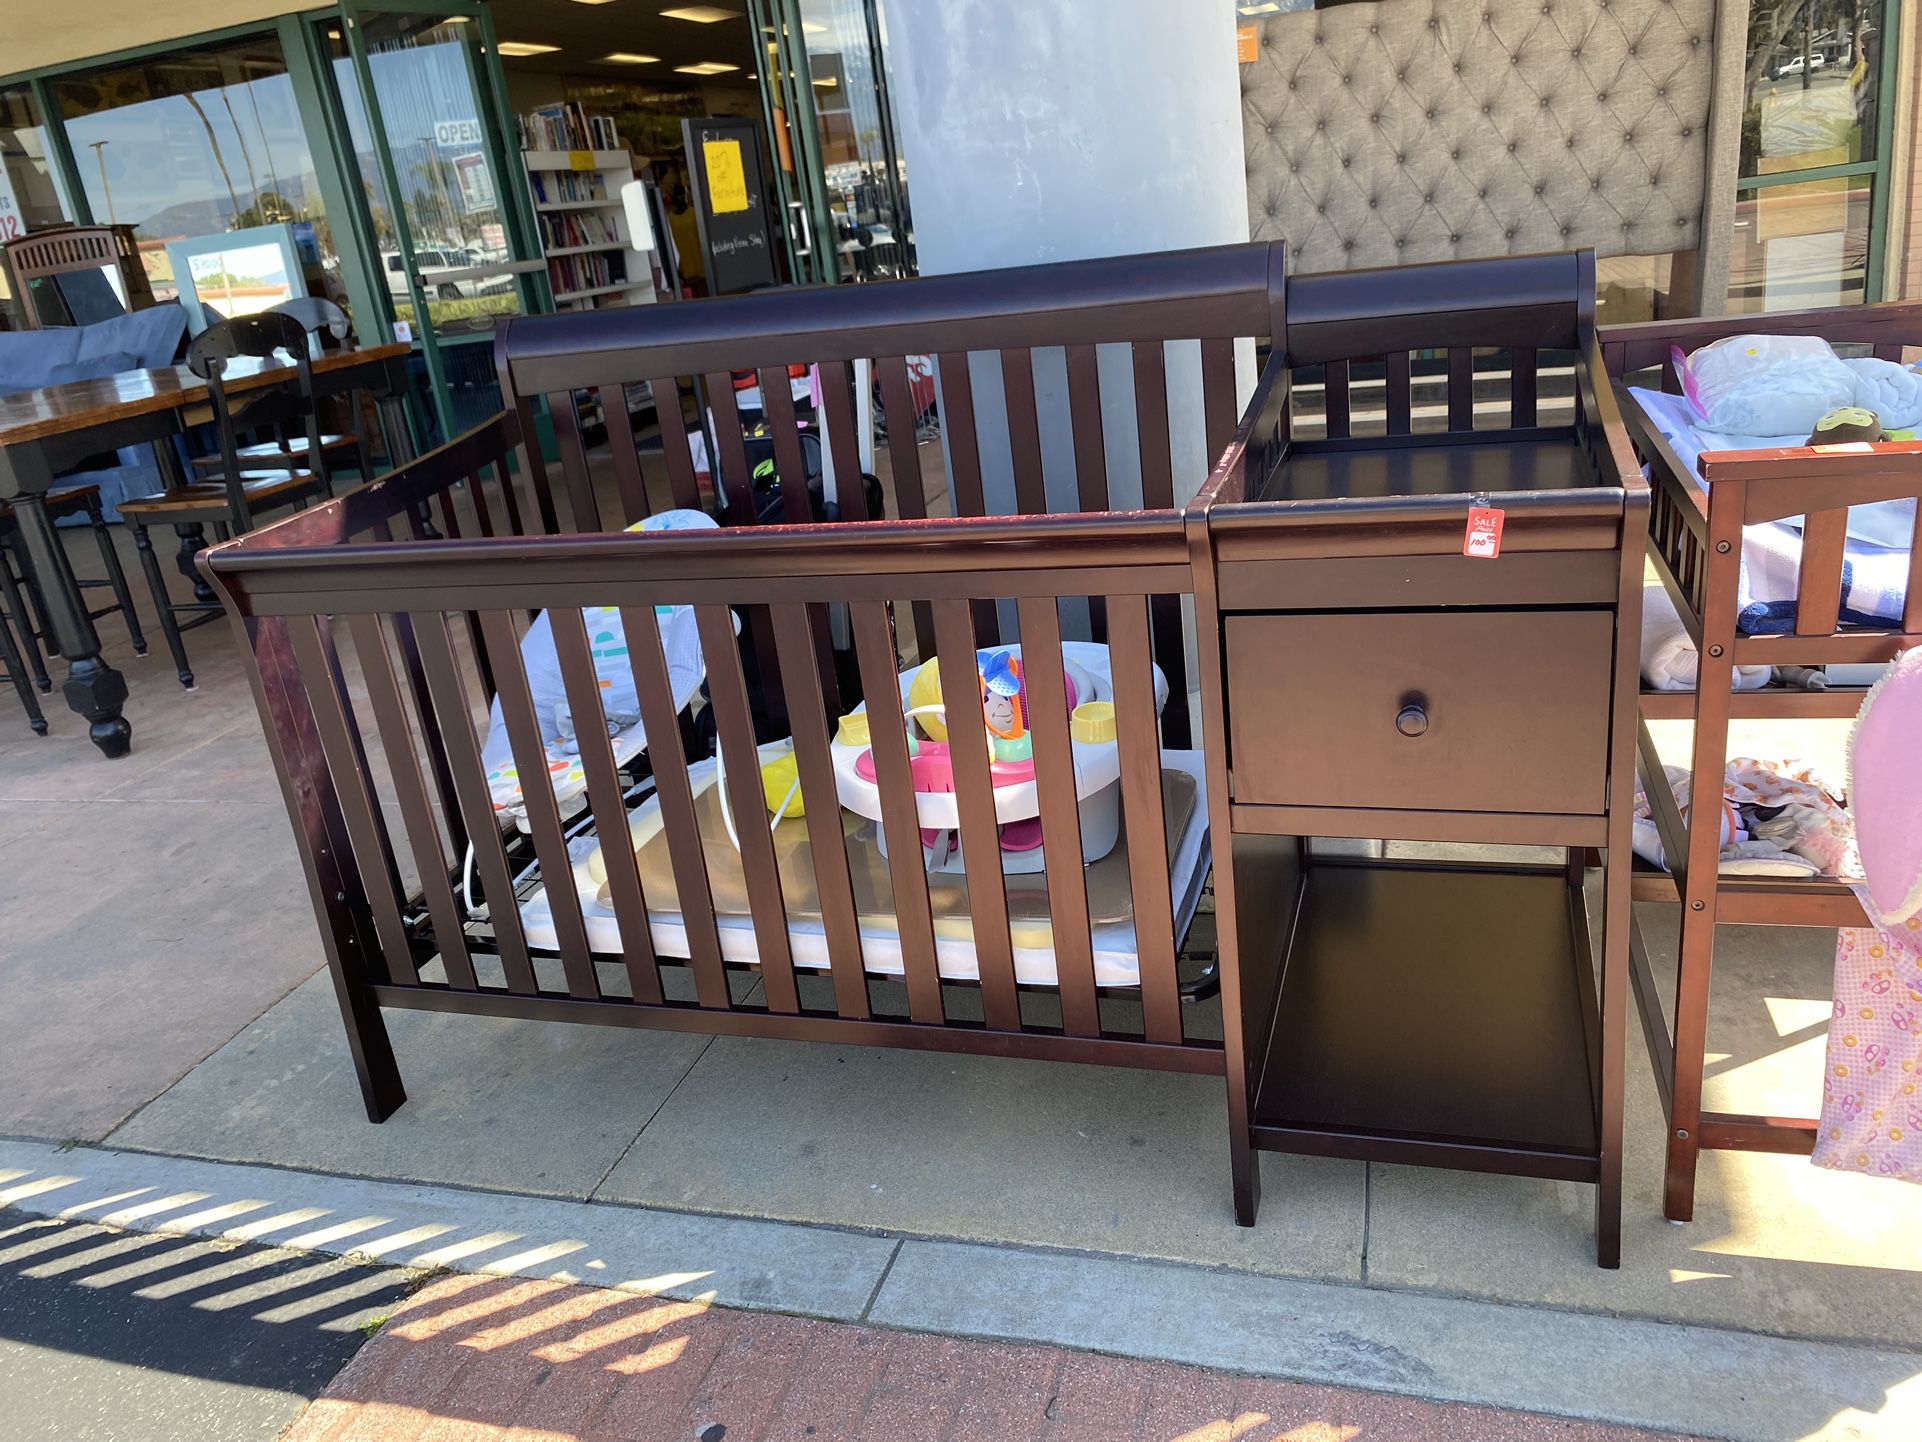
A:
46,432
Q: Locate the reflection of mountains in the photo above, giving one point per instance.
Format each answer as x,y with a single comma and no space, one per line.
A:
213,215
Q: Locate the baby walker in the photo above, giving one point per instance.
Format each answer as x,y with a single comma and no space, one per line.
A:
1003,697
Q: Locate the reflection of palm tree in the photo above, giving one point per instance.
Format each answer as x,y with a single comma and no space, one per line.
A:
246,158
214,141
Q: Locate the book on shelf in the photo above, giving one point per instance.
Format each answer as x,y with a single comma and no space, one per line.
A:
567,126
551,186
568,230
574,273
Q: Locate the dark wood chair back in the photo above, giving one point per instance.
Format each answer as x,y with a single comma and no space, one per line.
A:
282,407
50,269
326,322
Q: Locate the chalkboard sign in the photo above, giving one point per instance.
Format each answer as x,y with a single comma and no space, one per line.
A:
731,205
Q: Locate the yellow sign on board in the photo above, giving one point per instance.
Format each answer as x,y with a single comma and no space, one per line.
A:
726,177
580,160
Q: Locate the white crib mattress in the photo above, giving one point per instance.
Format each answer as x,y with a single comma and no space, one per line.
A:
1116,954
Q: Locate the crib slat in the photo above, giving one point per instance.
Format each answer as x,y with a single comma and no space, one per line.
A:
1400,407
686,856
807,709
1084,412
965,496
1912,597
1818,588
1024,431
627,456
974,802
543,812
1888,350
1157,493
1151,424
904,459
837,407
1144,826
904,456
777,404
1335,400
533,467
410,790
578,676
887,741
1461,388
1218,393
729,467
349,772
680,458
430,732
1523,365
581,504
957,425
449,700
1060,814
477,498
734,728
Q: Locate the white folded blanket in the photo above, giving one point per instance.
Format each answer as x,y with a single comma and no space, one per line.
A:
1893,392
1669,659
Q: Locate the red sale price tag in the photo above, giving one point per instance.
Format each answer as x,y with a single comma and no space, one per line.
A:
1484,535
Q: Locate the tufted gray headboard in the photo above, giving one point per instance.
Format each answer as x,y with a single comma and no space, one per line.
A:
1416,130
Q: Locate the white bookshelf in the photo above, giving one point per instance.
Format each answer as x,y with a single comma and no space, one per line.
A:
591,261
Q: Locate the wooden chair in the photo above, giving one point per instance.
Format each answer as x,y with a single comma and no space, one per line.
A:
229,501
38,261
326,323
20,591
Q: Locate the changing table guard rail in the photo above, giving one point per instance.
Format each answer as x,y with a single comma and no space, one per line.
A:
372,651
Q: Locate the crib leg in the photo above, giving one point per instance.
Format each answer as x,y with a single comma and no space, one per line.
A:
1246,1164
373,1052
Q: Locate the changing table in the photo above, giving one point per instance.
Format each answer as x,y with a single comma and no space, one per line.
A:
1366,681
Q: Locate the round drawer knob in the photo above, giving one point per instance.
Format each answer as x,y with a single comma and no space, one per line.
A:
1411,720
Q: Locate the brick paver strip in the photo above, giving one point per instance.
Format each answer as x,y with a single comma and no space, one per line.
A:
483,1359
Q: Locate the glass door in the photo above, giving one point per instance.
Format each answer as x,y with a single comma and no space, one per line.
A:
849,202
448,212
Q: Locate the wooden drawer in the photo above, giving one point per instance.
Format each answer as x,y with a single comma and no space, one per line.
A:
1421,710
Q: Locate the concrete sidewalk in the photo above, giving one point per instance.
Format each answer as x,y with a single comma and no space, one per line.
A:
1693,1380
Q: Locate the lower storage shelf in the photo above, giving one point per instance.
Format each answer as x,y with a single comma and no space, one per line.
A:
1435,1015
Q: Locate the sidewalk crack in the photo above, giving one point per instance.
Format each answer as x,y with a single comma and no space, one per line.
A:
1367,1207
594,1191
882,1280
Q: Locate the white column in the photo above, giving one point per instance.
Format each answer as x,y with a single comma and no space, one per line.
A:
1034,131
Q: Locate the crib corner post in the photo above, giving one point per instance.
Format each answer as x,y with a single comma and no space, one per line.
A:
381,1091
1245,1164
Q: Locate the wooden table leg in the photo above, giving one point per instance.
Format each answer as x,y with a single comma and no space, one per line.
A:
93,688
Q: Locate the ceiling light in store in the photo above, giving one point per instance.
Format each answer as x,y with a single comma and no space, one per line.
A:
628,57
826,82
808,27
1267,7
517,48
457,19
593,2
706,67
701,14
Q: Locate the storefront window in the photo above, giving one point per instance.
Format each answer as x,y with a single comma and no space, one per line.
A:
28,200
450,195
195,144
23,152
1809,200
866,183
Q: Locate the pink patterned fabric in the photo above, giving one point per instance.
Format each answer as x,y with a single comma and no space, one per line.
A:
1871,1106
1885,790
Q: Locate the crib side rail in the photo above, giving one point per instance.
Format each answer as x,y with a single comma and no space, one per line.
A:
367,673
